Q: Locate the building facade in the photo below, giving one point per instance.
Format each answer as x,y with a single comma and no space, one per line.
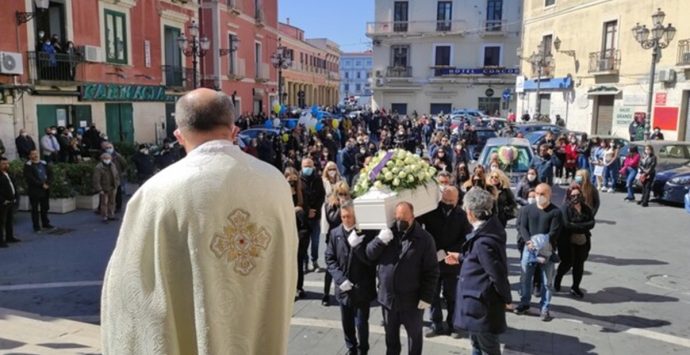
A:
117,64
355,76
597,76
313,78
433,56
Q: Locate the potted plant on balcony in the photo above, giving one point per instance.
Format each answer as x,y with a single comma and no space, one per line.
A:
62,198
80,177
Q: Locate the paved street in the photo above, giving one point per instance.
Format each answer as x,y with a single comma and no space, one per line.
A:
637,292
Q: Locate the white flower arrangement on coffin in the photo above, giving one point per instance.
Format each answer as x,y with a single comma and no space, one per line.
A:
393,176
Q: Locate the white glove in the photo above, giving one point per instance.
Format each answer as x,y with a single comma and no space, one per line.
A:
386,235
354,239
423,305
346,286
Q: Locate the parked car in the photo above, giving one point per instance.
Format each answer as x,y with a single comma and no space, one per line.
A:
474,116
246,136
483,135
670,155
536,139
526,128
672,185
518,168
499,122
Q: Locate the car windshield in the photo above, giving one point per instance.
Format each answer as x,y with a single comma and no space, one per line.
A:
520,163
673,151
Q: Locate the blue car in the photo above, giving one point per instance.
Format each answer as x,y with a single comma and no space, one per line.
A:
672,185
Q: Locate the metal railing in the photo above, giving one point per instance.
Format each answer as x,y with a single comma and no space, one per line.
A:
684,52
399,72
604,61
546,71
403,27
494,26
55,67
239,72
177,77
235,6
263,73
260,17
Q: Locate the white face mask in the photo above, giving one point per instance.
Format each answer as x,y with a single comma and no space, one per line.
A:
542,201
331,174
106,161
531,177
531,200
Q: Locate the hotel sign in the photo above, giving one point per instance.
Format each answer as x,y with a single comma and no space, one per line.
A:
119,92
488,71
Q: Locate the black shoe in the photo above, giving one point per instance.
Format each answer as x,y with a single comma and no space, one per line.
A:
48,226
113,218
645,204
557,284
37,230
639,202
326,301
521,309
457,335
577,293
4,245
546,316
301,294
13,240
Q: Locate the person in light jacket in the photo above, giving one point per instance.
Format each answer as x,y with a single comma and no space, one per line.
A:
106,180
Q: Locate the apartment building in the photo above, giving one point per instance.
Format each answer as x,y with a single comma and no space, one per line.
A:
356,76
433,56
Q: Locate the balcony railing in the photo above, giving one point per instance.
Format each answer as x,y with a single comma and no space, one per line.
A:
235,6
684,52
546,71
263,73
177,77
55,68
259,17
605,61
399,72
240,70
407,27
494,26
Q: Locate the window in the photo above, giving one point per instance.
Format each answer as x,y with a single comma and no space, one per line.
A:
492,56
346,63
400,56
444,16
347,87
51,22
257,59
610,32
358,75
369,62
494,15
115,37
442,56
232,57
400,16
549,2
358,63
547,42
347,75
358,88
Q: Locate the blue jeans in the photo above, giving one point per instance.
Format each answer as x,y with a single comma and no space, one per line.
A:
611,175
314,236
547,275
582,162
485,343
629,181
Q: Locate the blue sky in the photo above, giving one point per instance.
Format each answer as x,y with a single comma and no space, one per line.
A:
343,21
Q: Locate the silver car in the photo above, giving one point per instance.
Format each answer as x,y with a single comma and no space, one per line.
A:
519,166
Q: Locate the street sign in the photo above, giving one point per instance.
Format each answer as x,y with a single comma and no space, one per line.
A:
489,92
506,95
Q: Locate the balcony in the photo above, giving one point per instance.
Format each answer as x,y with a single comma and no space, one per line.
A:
333,76
260,17
178,78
605,62
404,28
263,73
57,69
494,28
240,70
235,6
684,53
546,71
399,72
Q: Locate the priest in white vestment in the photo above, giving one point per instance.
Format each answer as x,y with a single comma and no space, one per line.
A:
204,262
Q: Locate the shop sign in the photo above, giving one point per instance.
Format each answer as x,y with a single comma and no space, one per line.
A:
119,92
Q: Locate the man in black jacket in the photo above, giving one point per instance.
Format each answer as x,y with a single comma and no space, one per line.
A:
25,144
8,198
355,276
407,273
38,177
314,195
483,290
449,226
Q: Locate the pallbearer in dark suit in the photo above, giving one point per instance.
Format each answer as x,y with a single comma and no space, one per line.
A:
8,198
354,276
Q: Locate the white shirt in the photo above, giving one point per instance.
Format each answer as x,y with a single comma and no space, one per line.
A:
11,185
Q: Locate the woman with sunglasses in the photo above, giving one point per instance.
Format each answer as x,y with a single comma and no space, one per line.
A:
505,205
575,241
338,196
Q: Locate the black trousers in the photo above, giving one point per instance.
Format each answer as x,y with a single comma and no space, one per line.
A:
39,207
647,189
411,319
447,283
118,198
302,248
572,256
6,222
355,318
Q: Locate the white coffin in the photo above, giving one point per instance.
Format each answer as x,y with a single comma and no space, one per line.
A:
376,209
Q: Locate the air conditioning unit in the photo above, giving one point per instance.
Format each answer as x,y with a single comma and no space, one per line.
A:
92,54
663,77
11,63
667,76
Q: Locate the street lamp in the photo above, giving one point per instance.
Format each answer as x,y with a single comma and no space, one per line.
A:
198,48
661,37
24,17
281,60
540,59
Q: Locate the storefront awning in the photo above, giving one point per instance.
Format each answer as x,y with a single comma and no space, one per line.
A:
603,90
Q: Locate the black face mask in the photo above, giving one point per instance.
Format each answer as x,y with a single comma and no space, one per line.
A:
402,226
575,199
445,207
